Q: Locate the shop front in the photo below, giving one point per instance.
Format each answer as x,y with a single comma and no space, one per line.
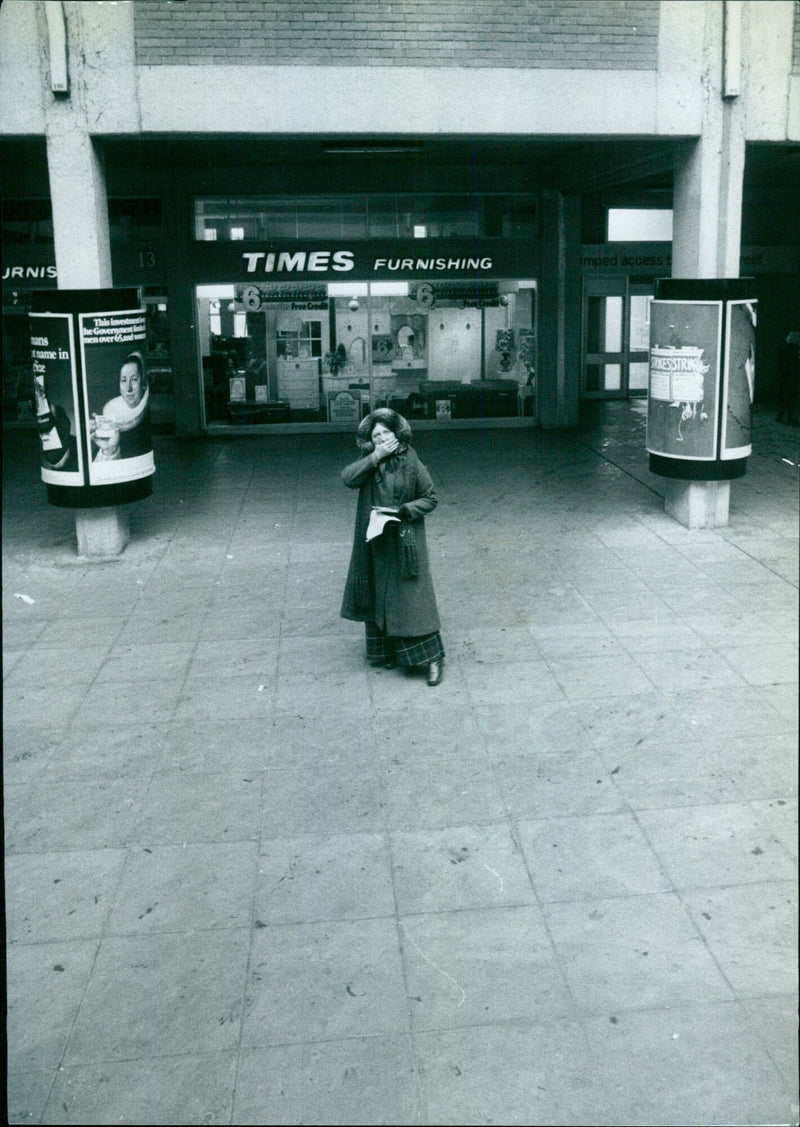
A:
321,333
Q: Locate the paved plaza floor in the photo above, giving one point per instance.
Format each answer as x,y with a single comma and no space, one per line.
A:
250,880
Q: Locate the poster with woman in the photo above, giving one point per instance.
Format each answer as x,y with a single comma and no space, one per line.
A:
56,395
117,396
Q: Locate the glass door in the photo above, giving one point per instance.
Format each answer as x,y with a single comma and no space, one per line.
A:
604,338
639,298
616,337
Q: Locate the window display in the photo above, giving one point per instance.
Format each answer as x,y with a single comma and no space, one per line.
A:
331,352
159,356
375,216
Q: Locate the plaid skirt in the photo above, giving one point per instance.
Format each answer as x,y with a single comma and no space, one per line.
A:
406,651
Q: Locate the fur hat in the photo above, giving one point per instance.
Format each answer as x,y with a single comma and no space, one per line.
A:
389,418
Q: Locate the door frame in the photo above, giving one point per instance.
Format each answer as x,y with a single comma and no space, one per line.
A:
618,286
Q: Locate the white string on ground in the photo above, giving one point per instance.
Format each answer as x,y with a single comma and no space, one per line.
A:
491,870
433,964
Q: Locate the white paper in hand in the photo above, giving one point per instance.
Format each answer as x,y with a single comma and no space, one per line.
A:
378,520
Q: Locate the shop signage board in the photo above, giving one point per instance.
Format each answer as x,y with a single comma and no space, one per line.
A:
654,259
17,274
343,407
626,258
684,379
379,260
34,267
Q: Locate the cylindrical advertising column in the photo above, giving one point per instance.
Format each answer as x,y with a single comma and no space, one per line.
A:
92,397
702,368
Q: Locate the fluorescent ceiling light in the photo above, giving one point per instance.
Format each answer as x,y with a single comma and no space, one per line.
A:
388,289
347,289
216,293
371,148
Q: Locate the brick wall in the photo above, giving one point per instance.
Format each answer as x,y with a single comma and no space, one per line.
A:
610,34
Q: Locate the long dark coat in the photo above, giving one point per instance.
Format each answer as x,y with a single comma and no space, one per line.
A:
401,607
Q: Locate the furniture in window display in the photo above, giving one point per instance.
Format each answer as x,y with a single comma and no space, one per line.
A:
479,399
276,411
298,382
497,399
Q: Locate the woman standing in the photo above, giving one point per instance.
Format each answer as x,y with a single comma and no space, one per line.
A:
389,586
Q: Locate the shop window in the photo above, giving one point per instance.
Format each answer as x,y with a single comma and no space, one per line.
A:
381,218
30,222
337,219
442,217
519,220
18,399
366,217
302,342
134,220
331,352
159,356
26,222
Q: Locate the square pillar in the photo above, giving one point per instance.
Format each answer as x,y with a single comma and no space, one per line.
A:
709,171
697,504
707,217
558,378
102,533
80,209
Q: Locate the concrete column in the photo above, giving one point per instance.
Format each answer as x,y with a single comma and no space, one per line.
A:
75,167
80,213
709,172
80,208
559,326
102,533
707,217
179,224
